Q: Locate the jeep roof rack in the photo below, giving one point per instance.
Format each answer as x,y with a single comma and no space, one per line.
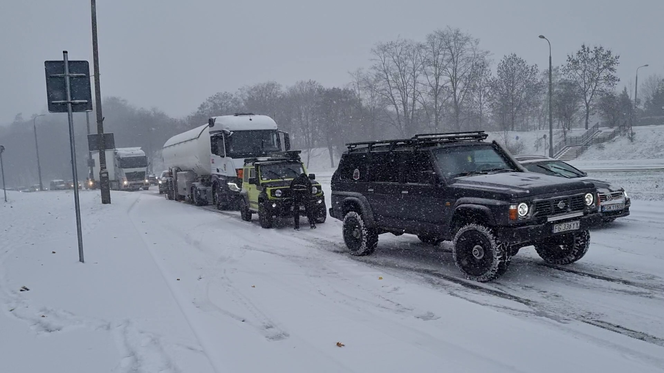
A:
423,139
288,155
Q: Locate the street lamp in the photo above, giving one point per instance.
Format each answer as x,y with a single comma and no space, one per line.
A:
2,167
550,99
636,86
34,127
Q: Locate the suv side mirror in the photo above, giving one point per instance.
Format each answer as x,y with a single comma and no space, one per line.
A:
312,176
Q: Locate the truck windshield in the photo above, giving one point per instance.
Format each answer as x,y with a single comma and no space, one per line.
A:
285,170
460,161
133,162
244,144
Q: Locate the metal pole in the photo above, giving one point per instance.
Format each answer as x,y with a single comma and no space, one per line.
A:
91,175
34,127
103,173
70,116
636,85
550,99
2,167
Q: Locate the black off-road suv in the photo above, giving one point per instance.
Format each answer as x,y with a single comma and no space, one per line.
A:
458,187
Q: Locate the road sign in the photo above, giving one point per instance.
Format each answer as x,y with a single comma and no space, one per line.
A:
93,141
79,81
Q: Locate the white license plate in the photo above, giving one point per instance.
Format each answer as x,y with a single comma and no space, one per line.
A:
567,226
614,207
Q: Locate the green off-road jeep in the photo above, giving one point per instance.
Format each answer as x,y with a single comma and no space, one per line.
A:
266,188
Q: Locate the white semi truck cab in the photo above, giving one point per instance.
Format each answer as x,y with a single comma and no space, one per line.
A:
127,168
206,162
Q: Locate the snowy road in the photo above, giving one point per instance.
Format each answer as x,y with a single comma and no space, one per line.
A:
178,288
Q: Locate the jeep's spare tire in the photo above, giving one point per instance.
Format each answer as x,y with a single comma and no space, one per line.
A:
478,255
360,239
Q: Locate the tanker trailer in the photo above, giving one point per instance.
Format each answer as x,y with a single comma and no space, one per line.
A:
205,163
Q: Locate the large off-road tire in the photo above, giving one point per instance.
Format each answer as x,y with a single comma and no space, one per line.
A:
321,216
245,213
477,254
264,217
565,249
360,239
431,240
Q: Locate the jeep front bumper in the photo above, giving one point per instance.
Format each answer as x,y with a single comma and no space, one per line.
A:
526,234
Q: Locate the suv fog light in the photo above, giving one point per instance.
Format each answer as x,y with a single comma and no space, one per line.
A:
589,199
320,201
274,205
522,209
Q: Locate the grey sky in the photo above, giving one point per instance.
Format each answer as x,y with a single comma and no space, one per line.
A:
172,54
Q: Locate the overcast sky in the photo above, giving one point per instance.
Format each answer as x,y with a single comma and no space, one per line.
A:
172,54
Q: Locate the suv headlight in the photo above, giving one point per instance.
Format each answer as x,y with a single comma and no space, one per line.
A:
589,199
314,190
625,194
278,193
233,187
522,209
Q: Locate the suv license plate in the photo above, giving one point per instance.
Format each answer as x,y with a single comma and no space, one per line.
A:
568,226
614,207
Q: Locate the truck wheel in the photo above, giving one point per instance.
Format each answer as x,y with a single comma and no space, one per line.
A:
477,254
564,249
360,239
264,217
245,213
431,240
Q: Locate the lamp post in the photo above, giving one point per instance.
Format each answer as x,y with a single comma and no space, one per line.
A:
2,167
636,86
34,127
550,99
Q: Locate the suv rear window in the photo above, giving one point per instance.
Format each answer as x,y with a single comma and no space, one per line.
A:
352,167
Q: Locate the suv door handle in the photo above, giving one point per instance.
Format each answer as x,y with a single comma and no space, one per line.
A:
404,192
370,190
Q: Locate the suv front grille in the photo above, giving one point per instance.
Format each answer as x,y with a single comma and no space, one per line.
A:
615,195
559,205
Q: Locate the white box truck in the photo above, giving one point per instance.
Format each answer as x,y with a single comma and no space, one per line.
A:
205,163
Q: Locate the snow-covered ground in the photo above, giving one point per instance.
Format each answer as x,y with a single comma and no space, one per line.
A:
169,287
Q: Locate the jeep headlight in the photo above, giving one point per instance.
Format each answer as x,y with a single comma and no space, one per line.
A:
278,193
522,209
233,187
625,194
589,199
314,190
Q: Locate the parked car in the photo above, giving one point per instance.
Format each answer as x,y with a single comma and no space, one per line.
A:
459,187
161,181
614,201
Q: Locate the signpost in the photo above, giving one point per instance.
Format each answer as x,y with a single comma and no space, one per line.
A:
68,90
2,167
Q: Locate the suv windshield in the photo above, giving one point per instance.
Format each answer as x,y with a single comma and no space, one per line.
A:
459,161
133,162
285,170
243,144
555,168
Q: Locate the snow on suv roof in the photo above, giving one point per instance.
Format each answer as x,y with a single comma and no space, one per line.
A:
532,158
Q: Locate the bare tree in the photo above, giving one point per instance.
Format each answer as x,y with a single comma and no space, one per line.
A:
480,92
372,104
567,102
593,71
462,52
303,99
515,89
435,92
398,66
220,103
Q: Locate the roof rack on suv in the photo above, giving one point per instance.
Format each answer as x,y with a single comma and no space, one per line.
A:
424,139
